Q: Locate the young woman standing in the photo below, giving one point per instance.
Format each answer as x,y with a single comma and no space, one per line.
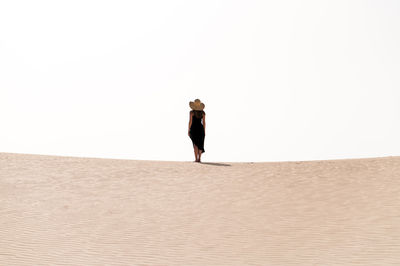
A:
197,127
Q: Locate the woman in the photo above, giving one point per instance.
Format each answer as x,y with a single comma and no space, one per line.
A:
197,128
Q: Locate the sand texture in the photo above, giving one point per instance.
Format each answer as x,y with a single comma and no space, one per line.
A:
85,211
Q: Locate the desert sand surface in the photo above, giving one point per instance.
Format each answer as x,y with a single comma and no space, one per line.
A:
58,210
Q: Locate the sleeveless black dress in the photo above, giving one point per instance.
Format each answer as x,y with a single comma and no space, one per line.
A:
197,133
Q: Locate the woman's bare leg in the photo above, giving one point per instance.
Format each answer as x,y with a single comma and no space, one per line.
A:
200,152
196,152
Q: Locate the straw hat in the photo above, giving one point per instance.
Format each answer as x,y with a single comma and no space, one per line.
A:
197,105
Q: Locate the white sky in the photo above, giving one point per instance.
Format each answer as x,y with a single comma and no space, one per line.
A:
281,80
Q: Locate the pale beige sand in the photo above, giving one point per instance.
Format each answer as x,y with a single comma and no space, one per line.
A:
86,211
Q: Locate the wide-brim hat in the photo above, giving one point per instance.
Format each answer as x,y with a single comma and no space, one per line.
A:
197,105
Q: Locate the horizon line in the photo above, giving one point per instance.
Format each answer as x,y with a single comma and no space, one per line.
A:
205,162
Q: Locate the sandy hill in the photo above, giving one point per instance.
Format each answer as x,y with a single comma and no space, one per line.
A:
85,211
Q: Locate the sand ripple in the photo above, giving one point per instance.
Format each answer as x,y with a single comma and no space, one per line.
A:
85,211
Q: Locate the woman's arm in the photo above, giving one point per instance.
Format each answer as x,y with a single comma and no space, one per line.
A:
190,122
204,123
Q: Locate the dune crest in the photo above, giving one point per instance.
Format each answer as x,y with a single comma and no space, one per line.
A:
58,210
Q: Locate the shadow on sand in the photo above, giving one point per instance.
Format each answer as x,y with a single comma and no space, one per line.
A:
217,164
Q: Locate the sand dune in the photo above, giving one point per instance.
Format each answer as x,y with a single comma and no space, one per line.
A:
87,211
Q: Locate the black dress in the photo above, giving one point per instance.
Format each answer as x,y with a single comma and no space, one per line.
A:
197,133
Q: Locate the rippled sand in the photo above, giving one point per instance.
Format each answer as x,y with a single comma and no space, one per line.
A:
86,211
